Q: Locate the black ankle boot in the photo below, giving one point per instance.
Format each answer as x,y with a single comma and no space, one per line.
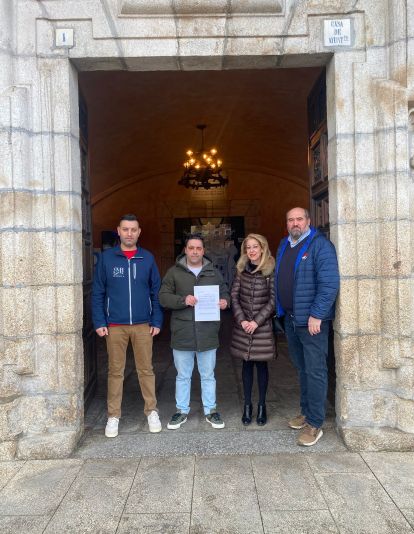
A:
261,418
247,414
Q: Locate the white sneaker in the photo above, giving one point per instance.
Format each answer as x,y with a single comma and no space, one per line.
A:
111,429
154,422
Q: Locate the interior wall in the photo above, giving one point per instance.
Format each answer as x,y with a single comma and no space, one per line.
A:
261,199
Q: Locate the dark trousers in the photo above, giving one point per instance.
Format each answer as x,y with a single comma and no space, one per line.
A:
262,380
309,356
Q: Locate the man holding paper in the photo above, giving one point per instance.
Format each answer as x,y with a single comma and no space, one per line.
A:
195,292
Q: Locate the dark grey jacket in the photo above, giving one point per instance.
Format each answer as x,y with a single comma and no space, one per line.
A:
186,334
252,298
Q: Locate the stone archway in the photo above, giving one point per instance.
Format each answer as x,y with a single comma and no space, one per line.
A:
370,192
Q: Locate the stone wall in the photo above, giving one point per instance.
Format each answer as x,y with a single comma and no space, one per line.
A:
372,228
370,87
41,388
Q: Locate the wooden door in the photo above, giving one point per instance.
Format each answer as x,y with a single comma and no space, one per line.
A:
318,156
88,332
319,188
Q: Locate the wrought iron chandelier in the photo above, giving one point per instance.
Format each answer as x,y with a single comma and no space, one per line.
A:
203,169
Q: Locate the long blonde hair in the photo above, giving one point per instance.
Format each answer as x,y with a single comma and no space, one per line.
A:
264,245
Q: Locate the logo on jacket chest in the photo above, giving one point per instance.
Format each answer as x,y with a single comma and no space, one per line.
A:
118,272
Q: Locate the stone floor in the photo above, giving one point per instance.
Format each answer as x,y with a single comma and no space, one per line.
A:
318,493
200,480
197,436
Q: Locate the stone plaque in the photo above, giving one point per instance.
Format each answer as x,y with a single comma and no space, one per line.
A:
64,37
337,32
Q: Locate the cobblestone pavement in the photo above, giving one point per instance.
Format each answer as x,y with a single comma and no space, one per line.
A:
200,480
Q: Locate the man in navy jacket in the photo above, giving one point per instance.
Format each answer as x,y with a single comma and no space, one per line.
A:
125,307
307,283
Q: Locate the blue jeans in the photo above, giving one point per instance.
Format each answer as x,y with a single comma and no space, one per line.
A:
184,363
309,356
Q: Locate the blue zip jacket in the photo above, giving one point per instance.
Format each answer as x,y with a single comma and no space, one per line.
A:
316,279
126,291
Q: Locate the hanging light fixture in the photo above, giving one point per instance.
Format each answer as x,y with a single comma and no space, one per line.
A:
203,169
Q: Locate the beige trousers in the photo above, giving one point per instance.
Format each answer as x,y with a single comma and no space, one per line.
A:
117,343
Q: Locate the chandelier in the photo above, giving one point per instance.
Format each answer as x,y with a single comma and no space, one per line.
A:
203,169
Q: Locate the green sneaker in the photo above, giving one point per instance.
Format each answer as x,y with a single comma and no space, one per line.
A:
177,420
215,420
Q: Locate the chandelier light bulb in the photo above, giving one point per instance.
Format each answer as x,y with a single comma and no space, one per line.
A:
202,168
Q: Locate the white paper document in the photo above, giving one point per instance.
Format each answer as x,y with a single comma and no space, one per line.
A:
207,307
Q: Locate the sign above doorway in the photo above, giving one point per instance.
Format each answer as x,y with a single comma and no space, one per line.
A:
337,32
64,37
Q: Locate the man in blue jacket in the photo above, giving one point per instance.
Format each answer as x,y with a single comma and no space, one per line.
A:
307,283
125,307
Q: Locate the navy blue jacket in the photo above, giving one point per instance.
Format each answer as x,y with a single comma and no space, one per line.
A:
126,291
316,279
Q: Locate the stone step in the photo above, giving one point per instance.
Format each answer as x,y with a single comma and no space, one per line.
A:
208,443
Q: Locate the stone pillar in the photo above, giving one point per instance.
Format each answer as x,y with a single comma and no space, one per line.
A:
41,396
9,381
6,43
410,51
371,226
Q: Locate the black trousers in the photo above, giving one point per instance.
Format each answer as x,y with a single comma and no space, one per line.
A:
262,380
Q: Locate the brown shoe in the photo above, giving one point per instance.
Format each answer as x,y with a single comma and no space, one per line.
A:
297,422
309,435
